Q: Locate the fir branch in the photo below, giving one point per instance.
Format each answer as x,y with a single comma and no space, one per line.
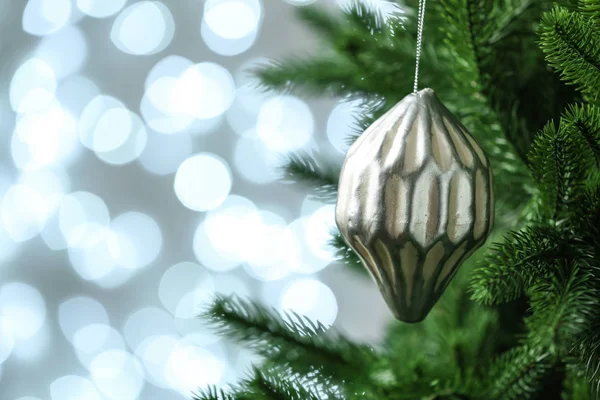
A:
213,393
591,9
337,76
559,166
585,121
562,305
296,342
345,253
572,46
589,350
518,374
267,384
302,167
513,265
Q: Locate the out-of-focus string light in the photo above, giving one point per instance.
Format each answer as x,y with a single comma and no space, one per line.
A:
147,322
254,161
33,86
65,51
45,139
23,212
118,375
154,353
143,28
94,339
7,340
202,91
34,348
83,219
164,153
180,280
75,92
202,182
230,27
73,387
135,241
78,312
190,368
95,262
100,8
285,123
22,307
311,298
114,133
341,125
271,249
232,244
42,17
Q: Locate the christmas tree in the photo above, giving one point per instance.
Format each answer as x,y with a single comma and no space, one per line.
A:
522,318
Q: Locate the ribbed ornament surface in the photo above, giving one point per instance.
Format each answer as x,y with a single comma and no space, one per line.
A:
414,201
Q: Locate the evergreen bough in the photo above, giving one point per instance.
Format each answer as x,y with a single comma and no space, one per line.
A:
522,318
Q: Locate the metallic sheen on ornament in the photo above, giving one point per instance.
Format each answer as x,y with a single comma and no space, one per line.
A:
415,200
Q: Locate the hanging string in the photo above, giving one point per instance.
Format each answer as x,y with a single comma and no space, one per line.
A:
420,19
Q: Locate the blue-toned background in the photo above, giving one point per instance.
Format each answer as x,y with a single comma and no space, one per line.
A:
137,179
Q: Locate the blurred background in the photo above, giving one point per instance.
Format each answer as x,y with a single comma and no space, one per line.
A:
138,178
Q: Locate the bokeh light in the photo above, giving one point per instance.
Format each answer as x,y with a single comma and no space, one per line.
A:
65,51
95,262
46,138
100,8
310,298
76,92
22,307
232,244
42,17
147,322
35,348
117,374
136,240
144,28
230,27
341,124
164,153
202,91
254,161
23,212
184,97
202,182
33,86
271,255
73,387
190,368
94,339
115,134
78,312
183,287
99,114
83,219
7,340
285,123
154,353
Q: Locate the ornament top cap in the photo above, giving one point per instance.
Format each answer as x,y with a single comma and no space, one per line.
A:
426,96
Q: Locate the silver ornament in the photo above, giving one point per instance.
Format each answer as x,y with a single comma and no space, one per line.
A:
415,200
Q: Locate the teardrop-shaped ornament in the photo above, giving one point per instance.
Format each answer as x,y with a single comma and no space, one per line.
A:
415,200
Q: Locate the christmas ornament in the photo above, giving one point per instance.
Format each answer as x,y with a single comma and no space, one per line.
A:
415,200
